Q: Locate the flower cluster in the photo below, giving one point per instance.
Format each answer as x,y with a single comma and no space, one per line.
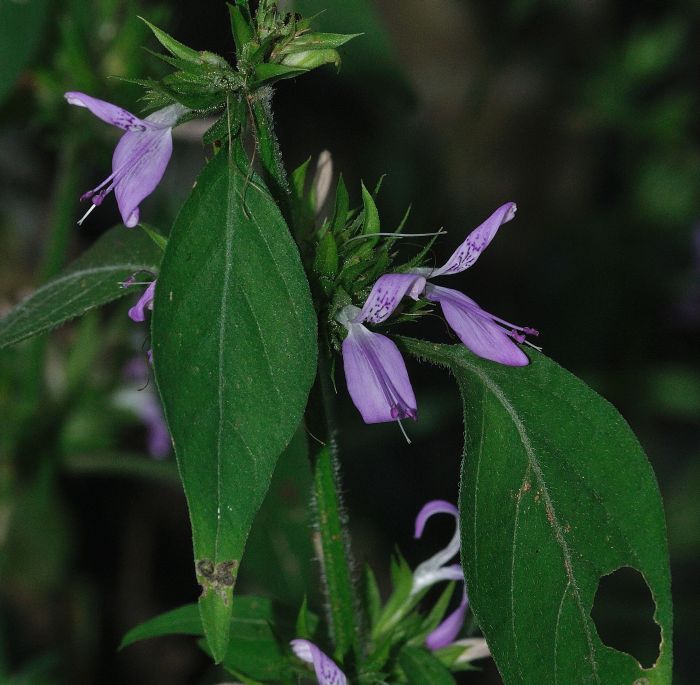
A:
375,372
430,572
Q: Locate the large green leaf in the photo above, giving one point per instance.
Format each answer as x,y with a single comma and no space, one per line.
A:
234,346
21,26
555,493
92,280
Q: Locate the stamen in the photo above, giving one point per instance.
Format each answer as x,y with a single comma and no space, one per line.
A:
85,216
403,430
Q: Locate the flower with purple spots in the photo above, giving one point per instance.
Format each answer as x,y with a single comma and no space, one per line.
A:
140,158
375,371
327,671
435,570
486,335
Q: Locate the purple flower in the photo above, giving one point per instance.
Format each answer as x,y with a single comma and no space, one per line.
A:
375,371
145,404
327,671
138,312
434,570
141,155
484,334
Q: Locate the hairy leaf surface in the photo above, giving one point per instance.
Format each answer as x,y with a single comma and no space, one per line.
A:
90,281
234,346
555,493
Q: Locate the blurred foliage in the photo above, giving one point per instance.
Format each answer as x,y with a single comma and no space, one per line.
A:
584,113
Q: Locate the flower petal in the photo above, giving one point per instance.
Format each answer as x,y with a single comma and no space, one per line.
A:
139,162
436,506
477,241
327,671
138,311
107,111
448,630
433,570
376,376
475,648
387,293
475,328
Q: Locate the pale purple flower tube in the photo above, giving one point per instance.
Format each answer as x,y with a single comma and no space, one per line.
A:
140,158
327,671
434,570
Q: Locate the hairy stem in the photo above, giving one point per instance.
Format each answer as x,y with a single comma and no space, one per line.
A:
333,538
269,151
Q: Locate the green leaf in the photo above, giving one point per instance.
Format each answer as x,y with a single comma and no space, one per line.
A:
341,207
21,29
234,347
253,648
421,667
317,41
269,73
311,59
371,596
279,552
155,235
556,492
92,280
184,620
240,28
174,47
371,224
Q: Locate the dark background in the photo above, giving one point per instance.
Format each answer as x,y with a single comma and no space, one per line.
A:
585,113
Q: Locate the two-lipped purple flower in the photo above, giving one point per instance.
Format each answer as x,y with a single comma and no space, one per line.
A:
141,155
375,372
433,570
437,569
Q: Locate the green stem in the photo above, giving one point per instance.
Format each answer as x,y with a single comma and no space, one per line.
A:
331,523
269,150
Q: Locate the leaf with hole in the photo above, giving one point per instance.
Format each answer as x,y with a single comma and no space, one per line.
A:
234,349
92,280
555,493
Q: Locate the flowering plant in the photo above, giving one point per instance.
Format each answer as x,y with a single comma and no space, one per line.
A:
267,284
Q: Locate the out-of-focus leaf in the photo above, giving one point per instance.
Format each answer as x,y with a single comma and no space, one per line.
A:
234,349
555,493
92,280
279,555
21,28
184,620
37,547
421,667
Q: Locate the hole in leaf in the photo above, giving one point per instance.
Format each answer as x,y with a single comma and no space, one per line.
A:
623,612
